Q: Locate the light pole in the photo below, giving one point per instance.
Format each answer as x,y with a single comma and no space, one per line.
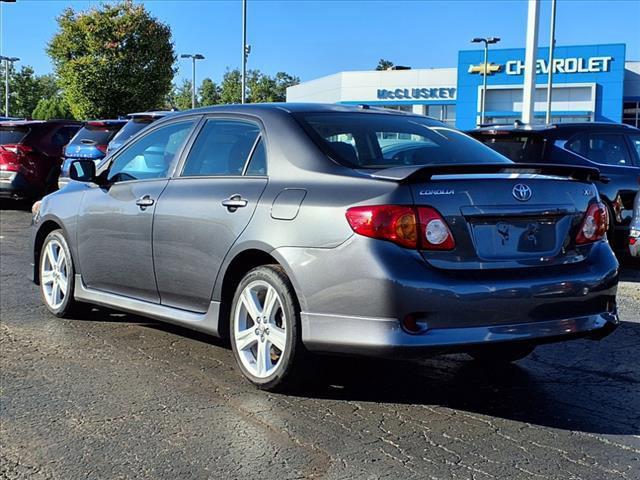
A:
7,61
193,58
552,44
485,69
246,50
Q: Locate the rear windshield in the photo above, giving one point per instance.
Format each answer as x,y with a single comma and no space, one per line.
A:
519,148
133,126
95,134
371,140
12,134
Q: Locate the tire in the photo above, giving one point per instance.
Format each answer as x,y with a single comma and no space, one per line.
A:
266,339
500,354
57,274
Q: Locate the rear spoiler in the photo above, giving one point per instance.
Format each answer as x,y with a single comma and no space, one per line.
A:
425,172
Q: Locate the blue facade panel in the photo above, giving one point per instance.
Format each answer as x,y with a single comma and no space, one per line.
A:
602,65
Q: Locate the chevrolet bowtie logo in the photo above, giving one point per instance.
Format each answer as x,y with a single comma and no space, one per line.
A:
485,68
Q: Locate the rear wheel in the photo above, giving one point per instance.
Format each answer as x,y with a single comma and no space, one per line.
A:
265,328
57,275
496,354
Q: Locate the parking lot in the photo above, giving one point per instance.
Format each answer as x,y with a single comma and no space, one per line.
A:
112,395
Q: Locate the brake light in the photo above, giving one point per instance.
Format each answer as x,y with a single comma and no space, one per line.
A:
410,227
595,224
17,149
102,148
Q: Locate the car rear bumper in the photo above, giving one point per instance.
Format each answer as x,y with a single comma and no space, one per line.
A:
384,337
355,297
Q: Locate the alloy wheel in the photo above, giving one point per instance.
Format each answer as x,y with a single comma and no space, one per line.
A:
54,274
260,328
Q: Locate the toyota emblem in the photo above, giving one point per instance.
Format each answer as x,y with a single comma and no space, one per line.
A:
522,192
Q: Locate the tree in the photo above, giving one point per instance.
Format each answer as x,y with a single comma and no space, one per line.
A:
26,89
384,64
181,96
54,107
231,89
284,80
112,59
209,93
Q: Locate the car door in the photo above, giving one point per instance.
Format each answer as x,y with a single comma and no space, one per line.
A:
115,220
205,207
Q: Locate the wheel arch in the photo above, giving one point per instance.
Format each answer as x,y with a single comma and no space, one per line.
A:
237,267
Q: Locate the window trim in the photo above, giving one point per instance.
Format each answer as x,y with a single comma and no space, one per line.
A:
179,170
195,119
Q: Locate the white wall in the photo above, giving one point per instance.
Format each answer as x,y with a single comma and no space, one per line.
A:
632,79
363,86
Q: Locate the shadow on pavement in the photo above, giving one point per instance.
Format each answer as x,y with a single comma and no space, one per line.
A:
19,205
630,269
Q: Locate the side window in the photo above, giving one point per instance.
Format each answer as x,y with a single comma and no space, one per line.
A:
635,141
578,144
62,136
258,162
608,149
152,155
222,148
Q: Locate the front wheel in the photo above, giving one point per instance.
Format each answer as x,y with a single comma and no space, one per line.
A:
505,353
57,275
265,328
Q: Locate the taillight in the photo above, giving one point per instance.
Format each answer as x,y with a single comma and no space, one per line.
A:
102,148
595,224
410,227
17,149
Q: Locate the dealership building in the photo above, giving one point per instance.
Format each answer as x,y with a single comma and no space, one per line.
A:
590,83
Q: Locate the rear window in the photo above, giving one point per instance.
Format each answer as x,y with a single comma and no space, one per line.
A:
95,134
12,134
133,126
371,140
519,148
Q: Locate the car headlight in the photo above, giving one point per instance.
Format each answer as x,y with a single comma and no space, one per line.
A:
35,211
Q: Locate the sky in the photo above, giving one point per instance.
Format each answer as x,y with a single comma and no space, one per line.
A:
310,38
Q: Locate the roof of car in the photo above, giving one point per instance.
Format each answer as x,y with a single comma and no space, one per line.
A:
155,113
17,123
257,108
554,127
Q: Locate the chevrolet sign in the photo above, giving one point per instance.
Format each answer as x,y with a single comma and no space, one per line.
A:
485,68
563,65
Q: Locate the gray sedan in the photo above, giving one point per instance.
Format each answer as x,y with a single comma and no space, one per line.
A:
289,230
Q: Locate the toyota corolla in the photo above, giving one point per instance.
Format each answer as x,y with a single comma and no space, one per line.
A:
294,229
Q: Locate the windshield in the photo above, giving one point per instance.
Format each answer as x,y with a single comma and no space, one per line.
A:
370,140
13,134
95,135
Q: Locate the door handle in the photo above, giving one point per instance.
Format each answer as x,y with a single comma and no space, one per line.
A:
234,202
145,202
604,179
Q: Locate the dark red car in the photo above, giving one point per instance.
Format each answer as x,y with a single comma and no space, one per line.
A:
31,155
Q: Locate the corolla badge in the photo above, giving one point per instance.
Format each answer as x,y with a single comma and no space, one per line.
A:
437,191
521,192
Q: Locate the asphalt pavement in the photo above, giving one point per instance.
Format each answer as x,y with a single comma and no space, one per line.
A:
112,395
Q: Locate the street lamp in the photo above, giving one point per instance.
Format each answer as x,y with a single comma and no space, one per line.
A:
7,61
485,70
246,50
193,58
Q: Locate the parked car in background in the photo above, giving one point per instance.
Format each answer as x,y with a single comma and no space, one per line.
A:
31,155
135,123
286,228
614,149
90,142
634,234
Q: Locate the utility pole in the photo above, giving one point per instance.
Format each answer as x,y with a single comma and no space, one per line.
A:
193,58
552,45
529,91
7,61
485,70
246,49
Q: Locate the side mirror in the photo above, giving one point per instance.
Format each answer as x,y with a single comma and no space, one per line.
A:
83,171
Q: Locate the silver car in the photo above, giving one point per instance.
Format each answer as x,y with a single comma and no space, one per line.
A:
634,233
294,229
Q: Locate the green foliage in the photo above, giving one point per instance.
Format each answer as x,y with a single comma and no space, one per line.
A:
260,86
112,60
26,89
231,88
181,96
54,107
209,93
384,64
